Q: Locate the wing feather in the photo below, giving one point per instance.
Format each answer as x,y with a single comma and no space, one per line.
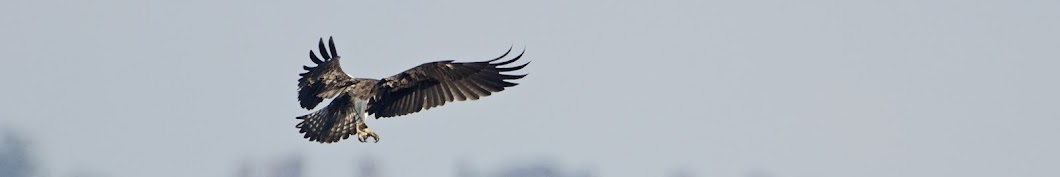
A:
313,57
478,88
322,81
417,101
428,98
467,89
455,91
439,95
447,92
436,83
323,49
331,43
487,84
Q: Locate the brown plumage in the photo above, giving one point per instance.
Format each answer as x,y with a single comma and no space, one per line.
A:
419,88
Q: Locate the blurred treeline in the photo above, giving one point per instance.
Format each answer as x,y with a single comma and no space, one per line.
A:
17,160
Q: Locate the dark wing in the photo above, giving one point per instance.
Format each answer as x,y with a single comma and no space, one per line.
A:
433,84
322,81
333,122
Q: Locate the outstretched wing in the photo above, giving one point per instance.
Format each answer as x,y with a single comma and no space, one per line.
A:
334,122
436,83
324,80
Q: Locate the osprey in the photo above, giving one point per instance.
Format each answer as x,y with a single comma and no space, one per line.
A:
422,87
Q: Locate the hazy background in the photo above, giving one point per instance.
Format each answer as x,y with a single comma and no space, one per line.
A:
812,88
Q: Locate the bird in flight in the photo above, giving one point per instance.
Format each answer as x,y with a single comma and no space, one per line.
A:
419,88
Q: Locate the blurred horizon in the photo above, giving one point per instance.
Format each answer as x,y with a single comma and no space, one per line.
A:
17,159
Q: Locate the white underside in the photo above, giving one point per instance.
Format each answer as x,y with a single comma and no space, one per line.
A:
359,107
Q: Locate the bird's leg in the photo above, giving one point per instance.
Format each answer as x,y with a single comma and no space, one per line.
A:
359,116
363,132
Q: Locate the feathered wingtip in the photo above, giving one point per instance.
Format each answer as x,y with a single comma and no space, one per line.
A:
324,51
331,45
514,68
505,54
312,82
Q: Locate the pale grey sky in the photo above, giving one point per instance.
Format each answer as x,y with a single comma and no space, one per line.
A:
811,88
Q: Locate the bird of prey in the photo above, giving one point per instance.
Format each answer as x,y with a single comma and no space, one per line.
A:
419,88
